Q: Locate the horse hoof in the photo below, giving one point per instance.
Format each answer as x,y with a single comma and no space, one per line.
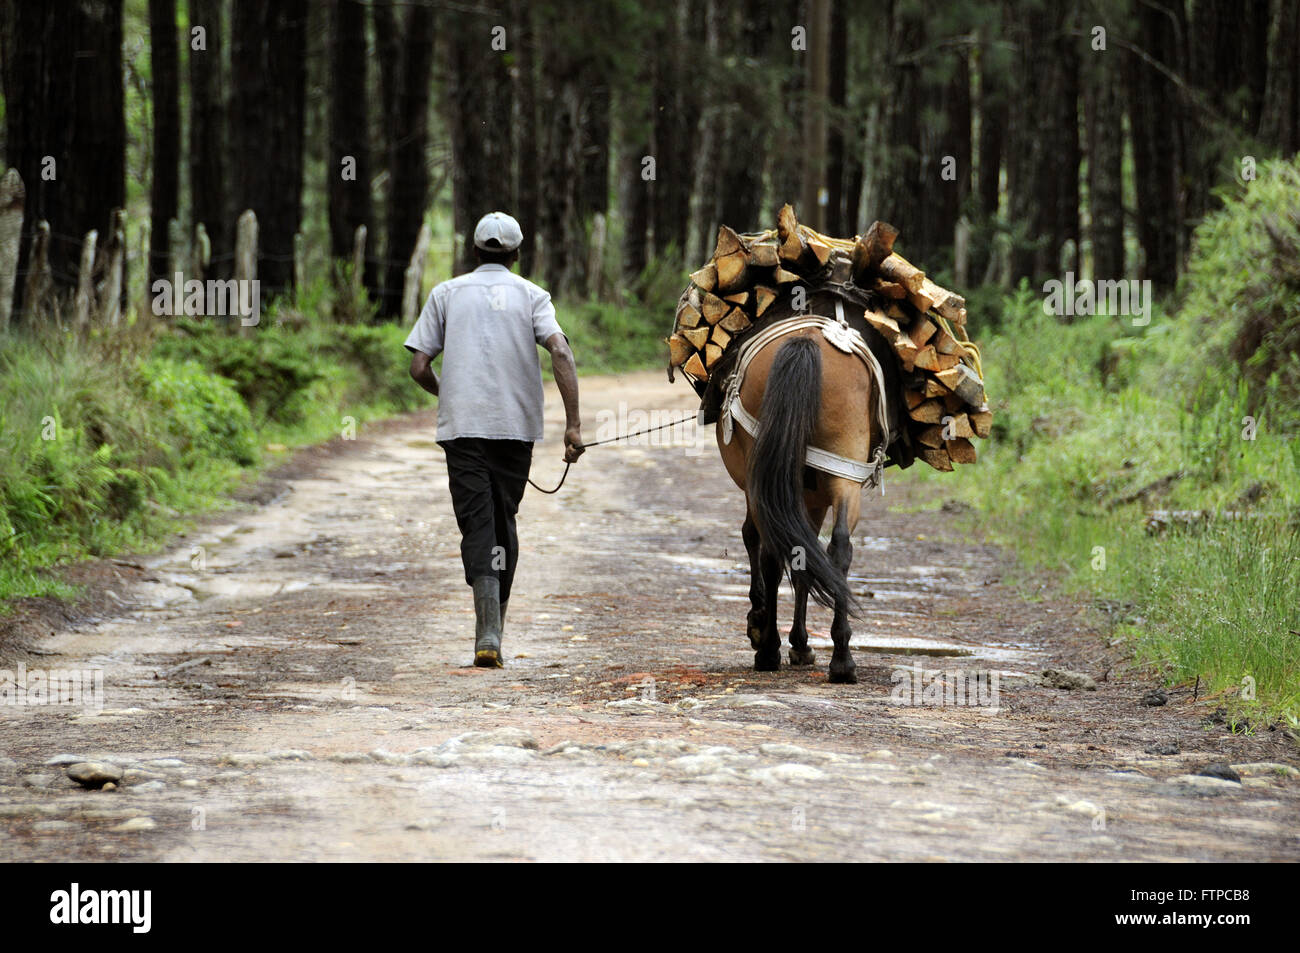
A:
767,664
803,657
843,677
755,636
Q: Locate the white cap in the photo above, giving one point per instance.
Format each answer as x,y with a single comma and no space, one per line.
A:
497,231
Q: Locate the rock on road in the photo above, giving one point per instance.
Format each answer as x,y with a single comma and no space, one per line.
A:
290,683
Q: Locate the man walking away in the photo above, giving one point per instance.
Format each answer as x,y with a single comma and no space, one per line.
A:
487,324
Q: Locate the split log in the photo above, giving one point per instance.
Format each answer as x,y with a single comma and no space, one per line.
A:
946,304
931,436
706,279
714,308
736,320
872,248
887,326
960,450
741,298
890,289
787,232
963,382
784,277
731,270
945,343
712,354
899,269
728,243
958,425
927,412
981,421
763,297
679,350
926,358
764,255
921,331
937,459
697,336
695,368
720,337
688,317
914,398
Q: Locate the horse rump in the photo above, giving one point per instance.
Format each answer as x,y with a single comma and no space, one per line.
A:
791,407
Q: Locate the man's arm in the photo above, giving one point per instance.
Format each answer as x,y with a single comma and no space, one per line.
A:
566,378
422,372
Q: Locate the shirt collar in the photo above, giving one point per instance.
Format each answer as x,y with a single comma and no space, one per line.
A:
491,266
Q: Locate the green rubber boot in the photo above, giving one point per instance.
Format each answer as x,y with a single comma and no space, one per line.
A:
487,623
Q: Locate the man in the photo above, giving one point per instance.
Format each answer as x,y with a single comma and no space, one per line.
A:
488,324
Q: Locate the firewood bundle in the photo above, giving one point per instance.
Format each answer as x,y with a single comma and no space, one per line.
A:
943,388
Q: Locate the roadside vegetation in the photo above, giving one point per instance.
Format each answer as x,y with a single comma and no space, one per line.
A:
1157,468
112,443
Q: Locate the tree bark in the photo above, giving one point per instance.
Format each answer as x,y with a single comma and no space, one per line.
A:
1104,120
350,202
209,189
480,101
1157,153
408,172
164,199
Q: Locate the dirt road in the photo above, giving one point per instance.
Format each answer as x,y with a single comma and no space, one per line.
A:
290,684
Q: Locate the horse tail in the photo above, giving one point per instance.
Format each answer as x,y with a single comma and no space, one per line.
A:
791,406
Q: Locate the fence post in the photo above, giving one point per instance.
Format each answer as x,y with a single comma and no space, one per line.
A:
85,283
299,261
246,246
414,275
110,301
38,272
202,252
12,196
358,258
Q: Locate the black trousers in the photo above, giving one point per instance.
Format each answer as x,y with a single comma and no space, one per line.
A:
488,478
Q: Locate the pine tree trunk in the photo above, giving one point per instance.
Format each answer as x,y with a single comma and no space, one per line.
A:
408,171
480,102
350,202
1104,119
96,160
209,189
165,192
1153,112
526,141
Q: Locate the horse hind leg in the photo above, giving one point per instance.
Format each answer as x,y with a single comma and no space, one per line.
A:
842,668
756,621
800,653
767,655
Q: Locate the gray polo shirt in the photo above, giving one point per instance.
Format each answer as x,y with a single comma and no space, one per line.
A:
489,323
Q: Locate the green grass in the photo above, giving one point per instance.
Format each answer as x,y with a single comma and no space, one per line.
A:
114,443
1088,416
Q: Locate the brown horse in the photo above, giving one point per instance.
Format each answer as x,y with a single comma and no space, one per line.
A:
804,392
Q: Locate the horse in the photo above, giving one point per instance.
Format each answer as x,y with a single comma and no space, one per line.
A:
805,392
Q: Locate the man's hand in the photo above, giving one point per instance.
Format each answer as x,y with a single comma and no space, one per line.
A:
573,447
566,379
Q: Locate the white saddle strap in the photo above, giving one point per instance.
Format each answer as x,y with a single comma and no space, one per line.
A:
843,337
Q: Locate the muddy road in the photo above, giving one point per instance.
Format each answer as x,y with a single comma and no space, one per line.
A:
292,683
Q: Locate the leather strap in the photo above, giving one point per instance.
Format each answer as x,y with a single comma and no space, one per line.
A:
843,337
